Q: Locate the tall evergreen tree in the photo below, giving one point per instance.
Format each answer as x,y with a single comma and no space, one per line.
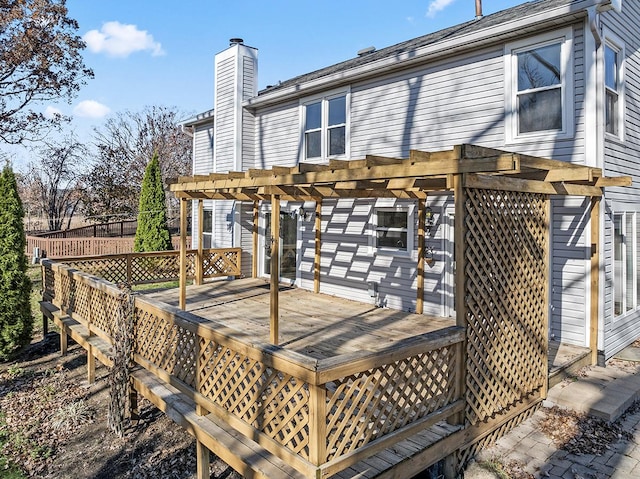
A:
16,322
152,233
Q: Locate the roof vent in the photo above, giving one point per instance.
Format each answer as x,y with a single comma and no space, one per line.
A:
235,41
366,51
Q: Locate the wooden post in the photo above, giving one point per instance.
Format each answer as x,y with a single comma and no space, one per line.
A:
199,260
133,402
318,247
127,259
275,267
202,458
547,293
91,365
63,342
318,423
595,278
254,253
460,288
183,254
420,292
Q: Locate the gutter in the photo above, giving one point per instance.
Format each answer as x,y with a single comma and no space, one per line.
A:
488,36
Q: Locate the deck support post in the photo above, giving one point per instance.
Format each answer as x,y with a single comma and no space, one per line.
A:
133,402
63,342
595,278
200,259
202,460
318,246
275,268
460,289
254,232
182,303
420,272
91,365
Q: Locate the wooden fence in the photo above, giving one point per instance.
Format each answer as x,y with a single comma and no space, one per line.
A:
72,247
319,416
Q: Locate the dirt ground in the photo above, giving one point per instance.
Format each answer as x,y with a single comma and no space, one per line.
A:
53,424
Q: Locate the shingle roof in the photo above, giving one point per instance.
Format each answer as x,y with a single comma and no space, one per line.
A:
471,26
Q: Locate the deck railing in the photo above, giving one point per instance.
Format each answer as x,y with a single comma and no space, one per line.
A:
320,416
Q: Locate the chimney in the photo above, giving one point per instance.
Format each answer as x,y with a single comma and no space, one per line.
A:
478,9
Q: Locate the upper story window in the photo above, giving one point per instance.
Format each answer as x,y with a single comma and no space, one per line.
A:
325,126
539,87
613,86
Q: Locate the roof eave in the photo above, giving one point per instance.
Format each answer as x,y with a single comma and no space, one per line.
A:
490,35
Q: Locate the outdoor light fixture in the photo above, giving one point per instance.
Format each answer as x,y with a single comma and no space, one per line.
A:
428,255
304,214
428,219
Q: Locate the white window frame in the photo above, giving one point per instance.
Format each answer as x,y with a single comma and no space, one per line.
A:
324,128
409,210
614,42
621,286
207,233
564,37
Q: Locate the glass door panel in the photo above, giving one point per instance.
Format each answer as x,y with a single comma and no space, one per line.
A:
288,245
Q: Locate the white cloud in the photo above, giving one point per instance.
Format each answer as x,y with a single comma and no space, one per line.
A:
51,112
91,109
120,40
436,6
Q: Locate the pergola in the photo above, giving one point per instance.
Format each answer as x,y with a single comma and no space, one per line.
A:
463,169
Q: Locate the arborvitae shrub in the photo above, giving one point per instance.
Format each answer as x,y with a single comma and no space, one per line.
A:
152,233
16,322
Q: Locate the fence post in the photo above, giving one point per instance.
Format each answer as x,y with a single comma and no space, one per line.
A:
128,260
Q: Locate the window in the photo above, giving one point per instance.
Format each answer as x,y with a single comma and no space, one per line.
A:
207,228
626,260
325,126
538,87
393,230
613,85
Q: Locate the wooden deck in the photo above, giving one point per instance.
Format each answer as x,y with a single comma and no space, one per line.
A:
316,325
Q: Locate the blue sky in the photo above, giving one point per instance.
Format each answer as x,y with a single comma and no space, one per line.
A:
156,52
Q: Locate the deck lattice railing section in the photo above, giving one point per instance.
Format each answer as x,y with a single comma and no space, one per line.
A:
319,415
506,287
155,267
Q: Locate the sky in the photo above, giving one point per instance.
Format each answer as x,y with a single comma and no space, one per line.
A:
156,52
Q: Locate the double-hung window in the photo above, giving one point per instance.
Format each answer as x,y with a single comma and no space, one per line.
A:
626,262
613,86
325,126
539,87
207,228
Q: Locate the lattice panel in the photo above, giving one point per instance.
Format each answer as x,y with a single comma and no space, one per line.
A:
368,405
223,263
104,311
166,345
155,268
111,269
505,269
48,283
64,290
269,400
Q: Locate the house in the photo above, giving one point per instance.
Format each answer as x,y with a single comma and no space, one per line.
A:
550,78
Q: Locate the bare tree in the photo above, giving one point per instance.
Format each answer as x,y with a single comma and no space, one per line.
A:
40,61
124,146
56,180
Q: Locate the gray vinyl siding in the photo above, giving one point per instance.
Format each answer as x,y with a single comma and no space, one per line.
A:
203,149
570,264
277,136
225,115
622,158
223,224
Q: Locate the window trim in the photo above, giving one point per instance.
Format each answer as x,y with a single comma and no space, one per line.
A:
564,37
409,209
616,43
324,124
